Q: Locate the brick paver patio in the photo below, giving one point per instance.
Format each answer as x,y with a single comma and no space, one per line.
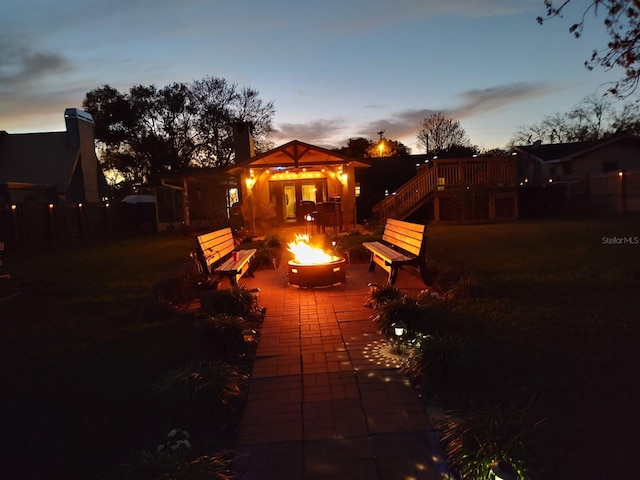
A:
326,400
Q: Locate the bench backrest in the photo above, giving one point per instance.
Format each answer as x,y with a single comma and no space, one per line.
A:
216,245
407,236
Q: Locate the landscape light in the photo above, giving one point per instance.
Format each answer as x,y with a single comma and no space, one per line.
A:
399,328
503,471
249,335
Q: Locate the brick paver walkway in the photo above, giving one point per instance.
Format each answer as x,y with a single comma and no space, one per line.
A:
326,400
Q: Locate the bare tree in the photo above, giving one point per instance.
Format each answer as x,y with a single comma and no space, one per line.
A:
438,133
622,23
592,118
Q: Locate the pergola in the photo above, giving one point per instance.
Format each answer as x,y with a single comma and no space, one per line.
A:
283,185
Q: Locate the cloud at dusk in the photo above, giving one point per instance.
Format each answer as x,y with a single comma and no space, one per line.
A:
334,71
404,123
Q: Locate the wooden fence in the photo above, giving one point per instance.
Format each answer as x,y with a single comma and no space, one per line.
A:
39,225
606,192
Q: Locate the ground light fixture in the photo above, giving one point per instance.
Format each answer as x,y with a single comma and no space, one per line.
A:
399,328
249,335
503,471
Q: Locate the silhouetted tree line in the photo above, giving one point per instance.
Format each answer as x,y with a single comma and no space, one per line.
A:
593,118
149,131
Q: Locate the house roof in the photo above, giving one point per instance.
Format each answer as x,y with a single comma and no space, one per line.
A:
565,152
556,151
297,154
37,158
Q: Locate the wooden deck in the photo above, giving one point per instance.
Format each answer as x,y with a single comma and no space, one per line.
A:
486,174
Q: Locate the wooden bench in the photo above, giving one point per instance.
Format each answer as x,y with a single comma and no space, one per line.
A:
215,252
403,243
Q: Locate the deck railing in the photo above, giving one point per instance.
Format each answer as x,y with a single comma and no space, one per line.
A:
443,174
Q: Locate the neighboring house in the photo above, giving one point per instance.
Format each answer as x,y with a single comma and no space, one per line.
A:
57,167
601,175
52,188
538,163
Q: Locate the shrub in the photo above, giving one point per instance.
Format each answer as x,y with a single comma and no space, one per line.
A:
451,283
432,360
202,392
382,295
236,301
350,245
221,335
272,241
166,465
406,310
264,258
474,439
180,290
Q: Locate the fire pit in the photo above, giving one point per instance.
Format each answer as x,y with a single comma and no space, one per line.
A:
312,267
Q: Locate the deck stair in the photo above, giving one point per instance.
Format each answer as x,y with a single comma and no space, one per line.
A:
446,174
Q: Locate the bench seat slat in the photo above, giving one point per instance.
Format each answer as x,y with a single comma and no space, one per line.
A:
234,266
387,253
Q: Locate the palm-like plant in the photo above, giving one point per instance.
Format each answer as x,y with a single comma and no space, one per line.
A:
221,335
406,309
432,360
238,301
171,466
476,438
379,296
202,392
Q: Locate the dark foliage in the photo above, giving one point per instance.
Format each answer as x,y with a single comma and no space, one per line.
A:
236,301
201,393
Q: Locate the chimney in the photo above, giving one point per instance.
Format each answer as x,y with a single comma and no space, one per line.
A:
79,123
243,141
80,136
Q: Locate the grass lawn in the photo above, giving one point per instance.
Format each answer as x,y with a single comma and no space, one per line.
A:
77,361
563,305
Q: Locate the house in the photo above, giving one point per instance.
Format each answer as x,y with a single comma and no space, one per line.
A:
602,175
51,185
55,167
538,163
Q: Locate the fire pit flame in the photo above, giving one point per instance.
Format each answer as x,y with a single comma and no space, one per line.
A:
312,266
306,254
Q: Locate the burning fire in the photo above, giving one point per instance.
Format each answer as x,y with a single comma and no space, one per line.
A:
306,254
